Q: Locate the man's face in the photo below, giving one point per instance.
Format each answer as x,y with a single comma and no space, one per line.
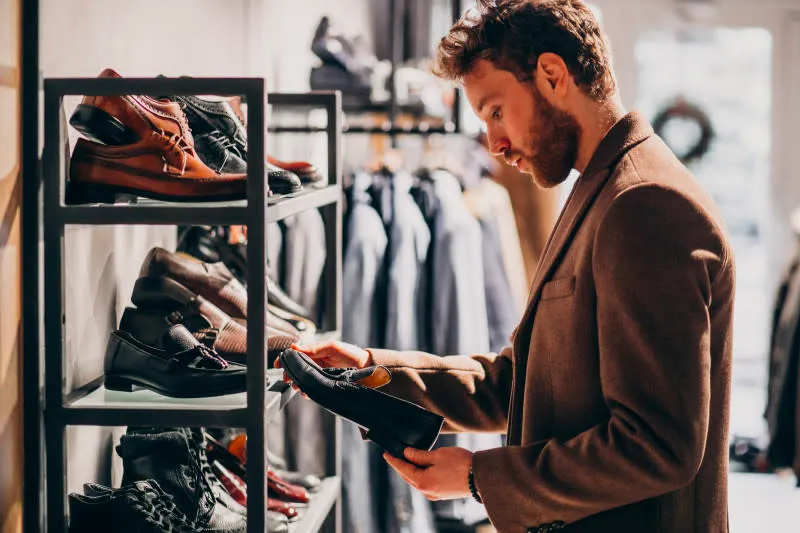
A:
522,126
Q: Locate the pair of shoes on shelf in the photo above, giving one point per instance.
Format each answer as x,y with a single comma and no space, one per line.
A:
215,283
168,486
187,337
213,245
234,458
144,146
141,507
287,491
391,423
141,146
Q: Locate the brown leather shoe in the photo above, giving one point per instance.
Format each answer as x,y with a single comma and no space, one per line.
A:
281,325
120,120
163,302
161,166
301,324
212,281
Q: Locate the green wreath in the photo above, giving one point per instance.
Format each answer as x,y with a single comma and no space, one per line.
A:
683,110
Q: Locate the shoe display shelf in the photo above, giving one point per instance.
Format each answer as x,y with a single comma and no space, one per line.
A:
92,404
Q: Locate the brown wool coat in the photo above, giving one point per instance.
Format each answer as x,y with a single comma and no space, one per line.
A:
615,392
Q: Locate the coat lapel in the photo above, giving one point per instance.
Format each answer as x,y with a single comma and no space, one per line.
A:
624,135
629,131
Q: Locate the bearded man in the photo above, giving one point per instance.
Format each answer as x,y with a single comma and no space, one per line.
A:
614,392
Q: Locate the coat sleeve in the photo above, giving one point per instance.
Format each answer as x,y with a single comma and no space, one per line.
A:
471,392
657,256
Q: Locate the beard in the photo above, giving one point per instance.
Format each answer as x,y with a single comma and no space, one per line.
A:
552,144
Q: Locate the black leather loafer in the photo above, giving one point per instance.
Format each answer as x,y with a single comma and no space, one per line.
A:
391,423
184,368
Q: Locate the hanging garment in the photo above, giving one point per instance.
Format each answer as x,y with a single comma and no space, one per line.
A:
489,198
501,312
459,303
304,257
408,510
782,411
410,238
459,315
274,247
363,259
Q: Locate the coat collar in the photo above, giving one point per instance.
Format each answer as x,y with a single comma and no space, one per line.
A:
629,131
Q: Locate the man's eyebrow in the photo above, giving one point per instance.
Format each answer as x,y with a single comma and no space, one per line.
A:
483,101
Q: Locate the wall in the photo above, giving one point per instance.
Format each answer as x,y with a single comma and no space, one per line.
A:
10,303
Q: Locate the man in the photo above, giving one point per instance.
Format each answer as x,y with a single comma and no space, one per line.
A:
615,391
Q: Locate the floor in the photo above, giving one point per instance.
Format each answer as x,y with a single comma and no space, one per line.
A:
762,503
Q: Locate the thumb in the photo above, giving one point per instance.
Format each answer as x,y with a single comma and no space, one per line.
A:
418,457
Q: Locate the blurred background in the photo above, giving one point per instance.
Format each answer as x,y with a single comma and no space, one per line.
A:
718,78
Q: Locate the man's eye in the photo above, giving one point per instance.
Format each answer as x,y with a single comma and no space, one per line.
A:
496,114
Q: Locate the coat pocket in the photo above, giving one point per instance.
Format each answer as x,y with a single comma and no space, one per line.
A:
558,288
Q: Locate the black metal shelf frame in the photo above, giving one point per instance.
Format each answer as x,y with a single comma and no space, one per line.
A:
260,404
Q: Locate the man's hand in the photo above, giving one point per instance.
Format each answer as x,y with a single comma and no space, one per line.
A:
332,354
440,475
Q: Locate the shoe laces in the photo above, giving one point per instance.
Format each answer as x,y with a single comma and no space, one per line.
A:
162,513
197,440
176,144
226,144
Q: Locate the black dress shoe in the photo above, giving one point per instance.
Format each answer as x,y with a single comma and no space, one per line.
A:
141,507
219,153
214,121
167,456
207,116
185,368
391,423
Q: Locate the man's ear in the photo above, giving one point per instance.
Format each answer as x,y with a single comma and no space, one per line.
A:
552,73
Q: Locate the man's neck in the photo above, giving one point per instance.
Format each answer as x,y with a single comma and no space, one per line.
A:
596,120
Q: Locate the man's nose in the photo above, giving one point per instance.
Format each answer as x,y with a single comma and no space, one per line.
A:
498,144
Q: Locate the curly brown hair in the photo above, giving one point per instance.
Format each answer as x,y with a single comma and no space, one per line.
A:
512,34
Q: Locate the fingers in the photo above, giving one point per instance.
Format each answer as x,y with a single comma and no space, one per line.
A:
418,457
410,473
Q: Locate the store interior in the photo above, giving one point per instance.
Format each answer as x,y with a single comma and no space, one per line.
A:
362,205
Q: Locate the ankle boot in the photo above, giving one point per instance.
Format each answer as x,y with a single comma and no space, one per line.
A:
166,456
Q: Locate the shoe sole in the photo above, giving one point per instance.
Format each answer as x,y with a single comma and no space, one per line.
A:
97,125
130,384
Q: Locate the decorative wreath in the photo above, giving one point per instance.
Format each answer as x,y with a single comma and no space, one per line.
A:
683,110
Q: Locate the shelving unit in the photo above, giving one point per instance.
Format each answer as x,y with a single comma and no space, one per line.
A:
92,404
